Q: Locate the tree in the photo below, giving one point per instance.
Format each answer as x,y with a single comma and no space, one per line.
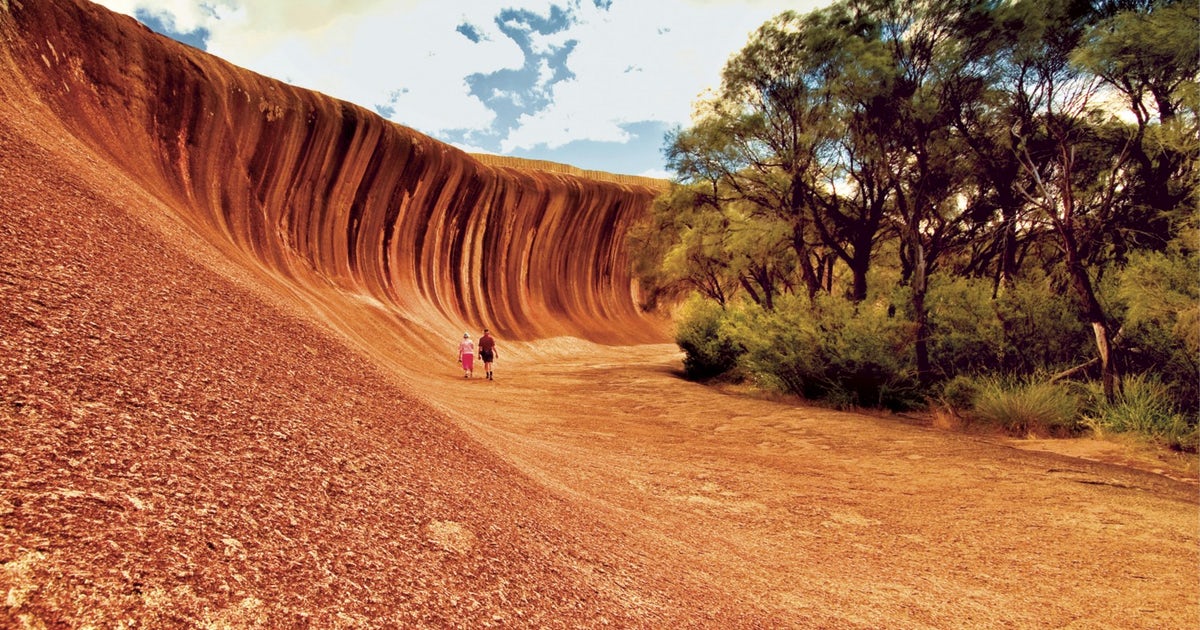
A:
699,255
914,125
1072,179
761,253
968,137
1146,52
983,113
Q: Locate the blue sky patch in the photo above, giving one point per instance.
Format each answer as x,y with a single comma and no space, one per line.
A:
470,32
164,24
509,92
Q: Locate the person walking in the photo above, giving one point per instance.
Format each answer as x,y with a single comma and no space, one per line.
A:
487,352
466,355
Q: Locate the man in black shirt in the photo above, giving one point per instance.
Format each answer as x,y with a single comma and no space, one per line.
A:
487,351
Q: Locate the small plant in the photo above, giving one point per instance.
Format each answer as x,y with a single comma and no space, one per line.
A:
959,393
1146,408
951,408
708,351
1027,407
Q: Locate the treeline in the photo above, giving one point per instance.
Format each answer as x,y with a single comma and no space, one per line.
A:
898,202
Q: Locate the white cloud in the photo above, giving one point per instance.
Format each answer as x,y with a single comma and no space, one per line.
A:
641,61
407,56
657,173
185,15
636,61
372,52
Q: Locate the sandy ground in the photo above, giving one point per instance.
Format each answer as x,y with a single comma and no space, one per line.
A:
803,509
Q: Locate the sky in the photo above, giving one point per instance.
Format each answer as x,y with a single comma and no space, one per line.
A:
591,83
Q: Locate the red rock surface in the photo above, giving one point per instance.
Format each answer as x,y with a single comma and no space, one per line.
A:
324,192
228,309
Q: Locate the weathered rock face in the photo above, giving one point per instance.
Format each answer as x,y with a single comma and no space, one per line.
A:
328,196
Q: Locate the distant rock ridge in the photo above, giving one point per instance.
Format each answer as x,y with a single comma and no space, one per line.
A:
324,193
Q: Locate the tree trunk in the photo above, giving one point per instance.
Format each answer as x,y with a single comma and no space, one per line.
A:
746,284
804,259
920,288
799,243
1007,265
1110,374
859,265
760,276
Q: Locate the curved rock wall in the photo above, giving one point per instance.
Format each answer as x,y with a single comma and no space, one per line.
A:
322,192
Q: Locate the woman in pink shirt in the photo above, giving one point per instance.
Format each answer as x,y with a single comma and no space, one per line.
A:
466,356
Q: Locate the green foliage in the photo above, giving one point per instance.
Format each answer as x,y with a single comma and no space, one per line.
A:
959,393
781,347
1042,328
966,336
1146,408
1025,329
1028,406
1146,51
648,242
1163,318
943,150
830,349
708,350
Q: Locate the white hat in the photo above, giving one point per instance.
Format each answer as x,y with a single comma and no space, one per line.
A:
466,336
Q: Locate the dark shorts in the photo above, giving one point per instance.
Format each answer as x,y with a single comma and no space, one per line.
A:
485,356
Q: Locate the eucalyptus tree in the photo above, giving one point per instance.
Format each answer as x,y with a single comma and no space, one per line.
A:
1081,159
1146,52
839,122
918,45
649,240
854,189
693,239
983,109
762,253
771,135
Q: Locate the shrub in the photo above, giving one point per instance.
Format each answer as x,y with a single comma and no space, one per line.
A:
1162,325
1027,328
1148,409
871,360
959,393
781,347
1027,407
966,336
830,349
708,350
1042,329
952,405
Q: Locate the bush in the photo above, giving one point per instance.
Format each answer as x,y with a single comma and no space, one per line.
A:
871,360
966,337
830,349
708,350
1162,325
1148,409
959,393
1153,349
781,348
1027,407
1028,328
1042,329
